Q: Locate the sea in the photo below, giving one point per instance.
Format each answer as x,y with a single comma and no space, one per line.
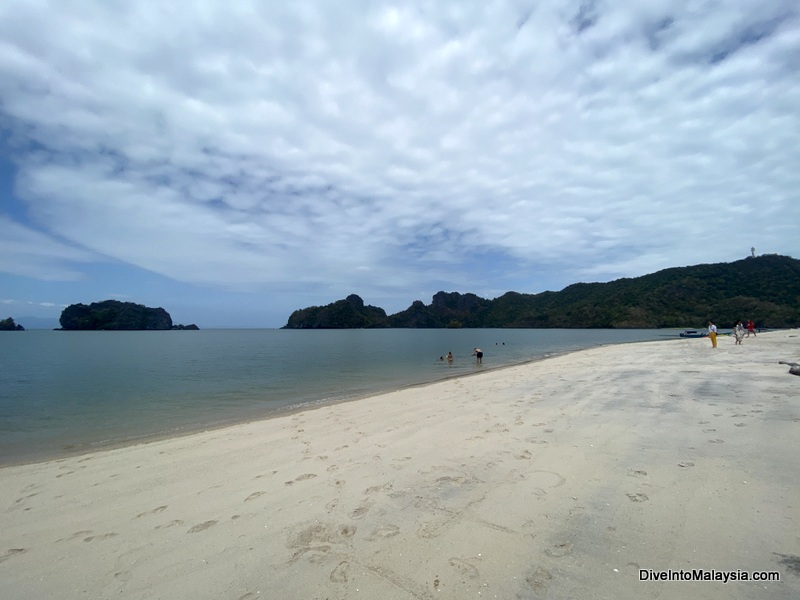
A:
70,392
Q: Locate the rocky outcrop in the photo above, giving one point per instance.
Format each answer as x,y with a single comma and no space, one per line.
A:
447,309
9,325
350,313
114,315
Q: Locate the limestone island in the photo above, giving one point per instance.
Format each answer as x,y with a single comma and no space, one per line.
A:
9,325
113,315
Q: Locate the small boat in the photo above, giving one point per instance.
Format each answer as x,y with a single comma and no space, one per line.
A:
692,333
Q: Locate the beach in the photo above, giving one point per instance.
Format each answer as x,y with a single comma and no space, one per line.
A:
587,475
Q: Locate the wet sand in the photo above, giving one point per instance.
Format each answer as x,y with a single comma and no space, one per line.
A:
565,478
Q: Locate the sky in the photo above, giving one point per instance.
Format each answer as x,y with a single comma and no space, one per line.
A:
234,161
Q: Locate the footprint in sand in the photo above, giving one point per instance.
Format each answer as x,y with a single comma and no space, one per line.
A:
213,487
75,535
383,531
155,511
347,531
202,526
524,455
559,550
254,495
539,580
685,464
174,523
359,512
640,497
18,500
100,538
386,487
791,561
465,568
303,477
716,441
12,552
740,425
340,573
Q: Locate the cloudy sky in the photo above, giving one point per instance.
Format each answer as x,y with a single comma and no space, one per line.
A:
233,161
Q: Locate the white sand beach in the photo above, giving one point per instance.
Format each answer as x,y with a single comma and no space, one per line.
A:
563,478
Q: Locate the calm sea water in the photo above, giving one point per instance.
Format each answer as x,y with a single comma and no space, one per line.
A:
63,392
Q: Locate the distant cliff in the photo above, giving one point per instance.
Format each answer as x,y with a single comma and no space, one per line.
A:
350,313
446,310
765,289
116,315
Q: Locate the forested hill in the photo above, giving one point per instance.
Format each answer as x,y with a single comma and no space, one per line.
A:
765,289
116,315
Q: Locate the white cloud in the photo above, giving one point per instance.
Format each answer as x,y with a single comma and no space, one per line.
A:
367,146
30,253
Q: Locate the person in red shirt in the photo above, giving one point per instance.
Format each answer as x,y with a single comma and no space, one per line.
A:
751,328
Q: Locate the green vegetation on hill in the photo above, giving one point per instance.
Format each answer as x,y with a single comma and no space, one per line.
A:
116,315
765,289
9,325
350,313
446,310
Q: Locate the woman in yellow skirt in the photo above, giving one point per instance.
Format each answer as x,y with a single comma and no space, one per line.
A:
712,333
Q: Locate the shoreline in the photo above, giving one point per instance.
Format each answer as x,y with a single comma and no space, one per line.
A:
81,449
189,430
560,477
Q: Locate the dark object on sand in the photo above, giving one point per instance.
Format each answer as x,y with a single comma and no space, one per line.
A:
794,368
692,333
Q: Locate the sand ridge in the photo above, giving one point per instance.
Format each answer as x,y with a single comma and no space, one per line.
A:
559,478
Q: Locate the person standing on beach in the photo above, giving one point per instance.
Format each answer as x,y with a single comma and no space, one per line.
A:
712,333
738,332
751,328
478,354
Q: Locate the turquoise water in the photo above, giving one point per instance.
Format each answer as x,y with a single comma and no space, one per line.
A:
63,392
